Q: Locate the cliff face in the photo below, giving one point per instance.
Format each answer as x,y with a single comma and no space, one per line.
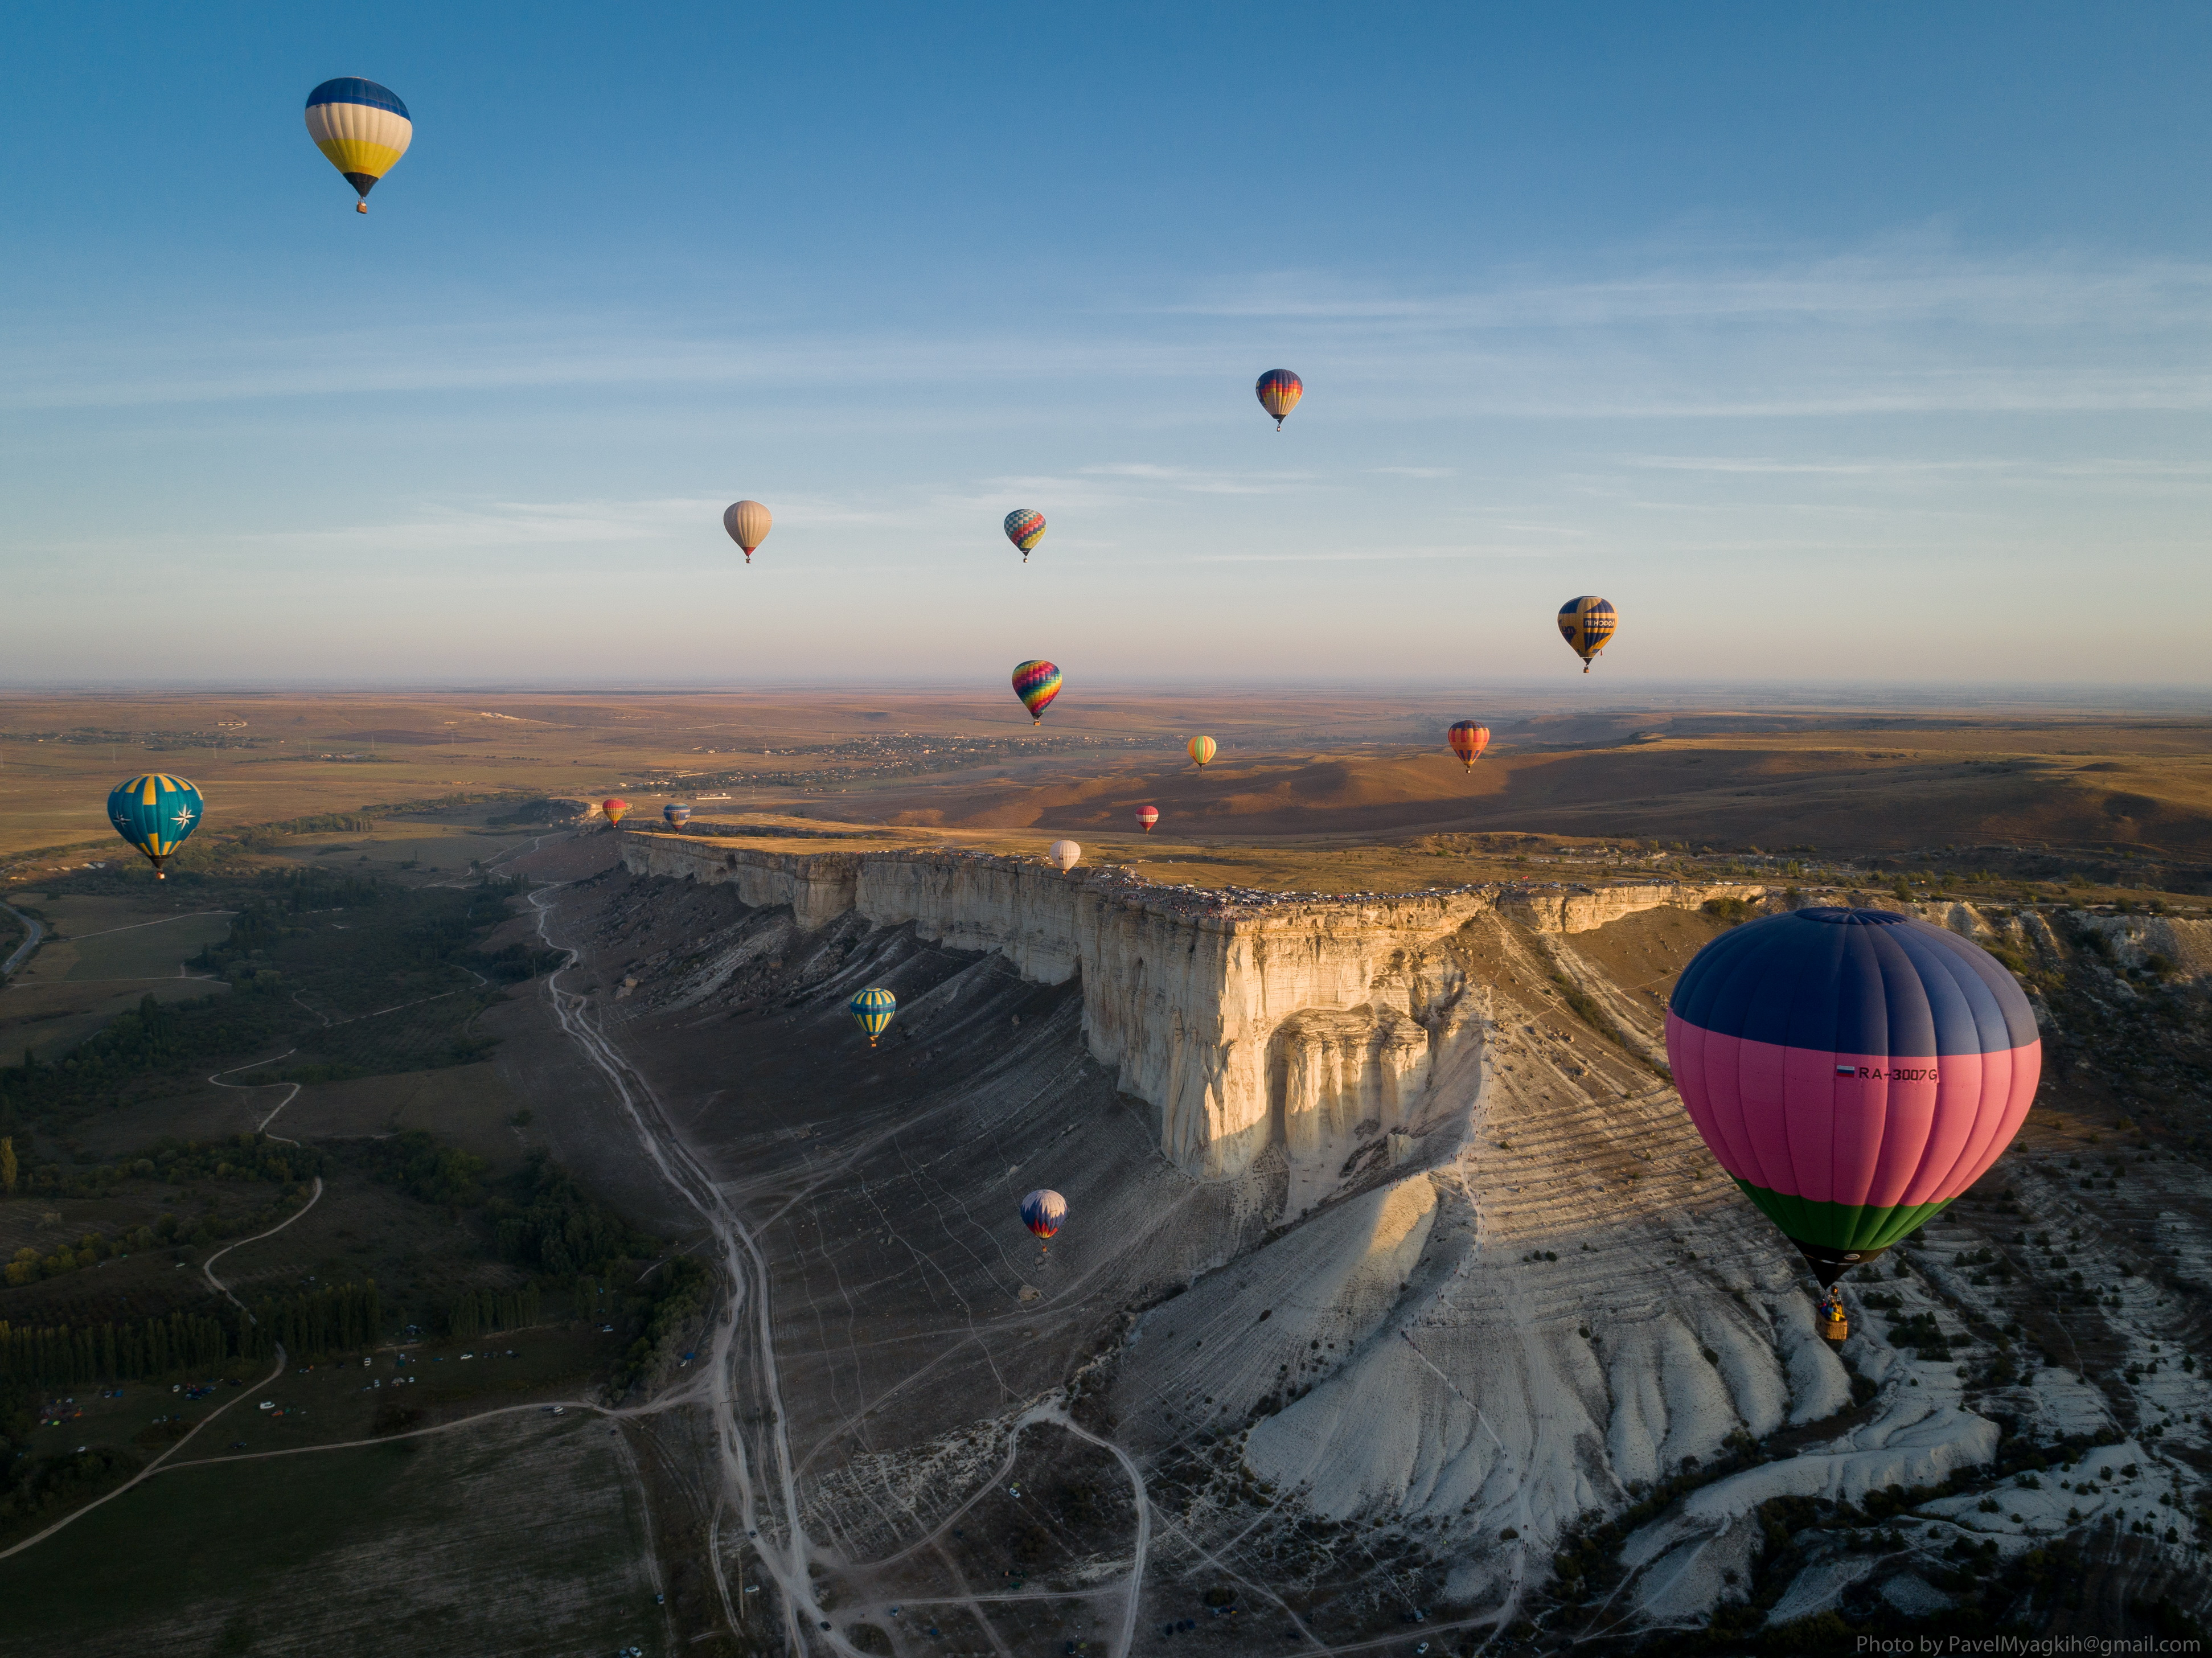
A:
1439,1256
1244,1024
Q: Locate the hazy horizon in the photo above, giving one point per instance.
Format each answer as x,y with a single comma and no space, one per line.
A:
1853,349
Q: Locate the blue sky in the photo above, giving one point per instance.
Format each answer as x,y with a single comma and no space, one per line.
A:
1831,343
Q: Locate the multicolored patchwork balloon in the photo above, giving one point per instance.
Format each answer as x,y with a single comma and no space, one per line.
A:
1024,529
156,814
1467,741
1201,748
874,1009
362,128
615,809
1586,623
1279,391
1043,1212
1037,683
1854,1070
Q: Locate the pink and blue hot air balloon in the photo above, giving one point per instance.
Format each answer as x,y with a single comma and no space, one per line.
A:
1854,1070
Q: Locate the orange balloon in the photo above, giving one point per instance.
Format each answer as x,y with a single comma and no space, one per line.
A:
1468,740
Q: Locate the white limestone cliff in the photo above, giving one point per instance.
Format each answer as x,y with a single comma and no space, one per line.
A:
1245,1024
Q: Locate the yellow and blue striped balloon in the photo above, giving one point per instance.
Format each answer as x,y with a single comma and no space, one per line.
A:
874,1009
1586,623
155,813
362,129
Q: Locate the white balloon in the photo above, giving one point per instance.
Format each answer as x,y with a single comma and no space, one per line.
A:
1065,853
748,524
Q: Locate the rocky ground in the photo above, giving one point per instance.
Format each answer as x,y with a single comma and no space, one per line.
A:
1516,1366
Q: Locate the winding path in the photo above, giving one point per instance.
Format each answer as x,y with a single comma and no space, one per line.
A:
37,931
208,1265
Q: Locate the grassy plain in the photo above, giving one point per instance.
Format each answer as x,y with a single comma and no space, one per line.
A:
541,1548
1297,770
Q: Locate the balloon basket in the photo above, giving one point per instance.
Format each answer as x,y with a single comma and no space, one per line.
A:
1835,1329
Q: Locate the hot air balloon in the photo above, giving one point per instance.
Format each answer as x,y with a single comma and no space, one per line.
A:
1202,748
362,129
1147,816
1835,1323
615,809
1279,391
1066,854
1467,741
1854,1070
1036,683
676,814
1586,623
1043,1211
155,813
748,523
874,1009
1024,529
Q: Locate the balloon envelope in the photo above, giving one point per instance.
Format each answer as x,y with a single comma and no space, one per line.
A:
362,128
615,809
1065,853
872,1009
1024,529
1586,623
1202,748
676,814
748,523
1854,1070
155,813
1467,741
1037,683
1147,816
1279,391
1043,1211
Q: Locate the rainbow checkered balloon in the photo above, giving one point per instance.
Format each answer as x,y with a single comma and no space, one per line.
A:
1037,683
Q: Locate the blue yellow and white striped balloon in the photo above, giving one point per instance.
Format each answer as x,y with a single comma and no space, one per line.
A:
155,813
874,1009
362,128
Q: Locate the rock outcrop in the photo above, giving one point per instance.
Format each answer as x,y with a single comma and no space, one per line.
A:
1246,1021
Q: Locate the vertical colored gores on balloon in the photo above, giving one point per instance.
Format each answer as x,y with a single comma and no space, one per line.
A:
1586,623
156,814
747,523
1279,391
1024,529
872,1009
362,128
1202,748
615,809
1853,1069
676,815
1147,816
1037,683
1043,1211
1467,741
